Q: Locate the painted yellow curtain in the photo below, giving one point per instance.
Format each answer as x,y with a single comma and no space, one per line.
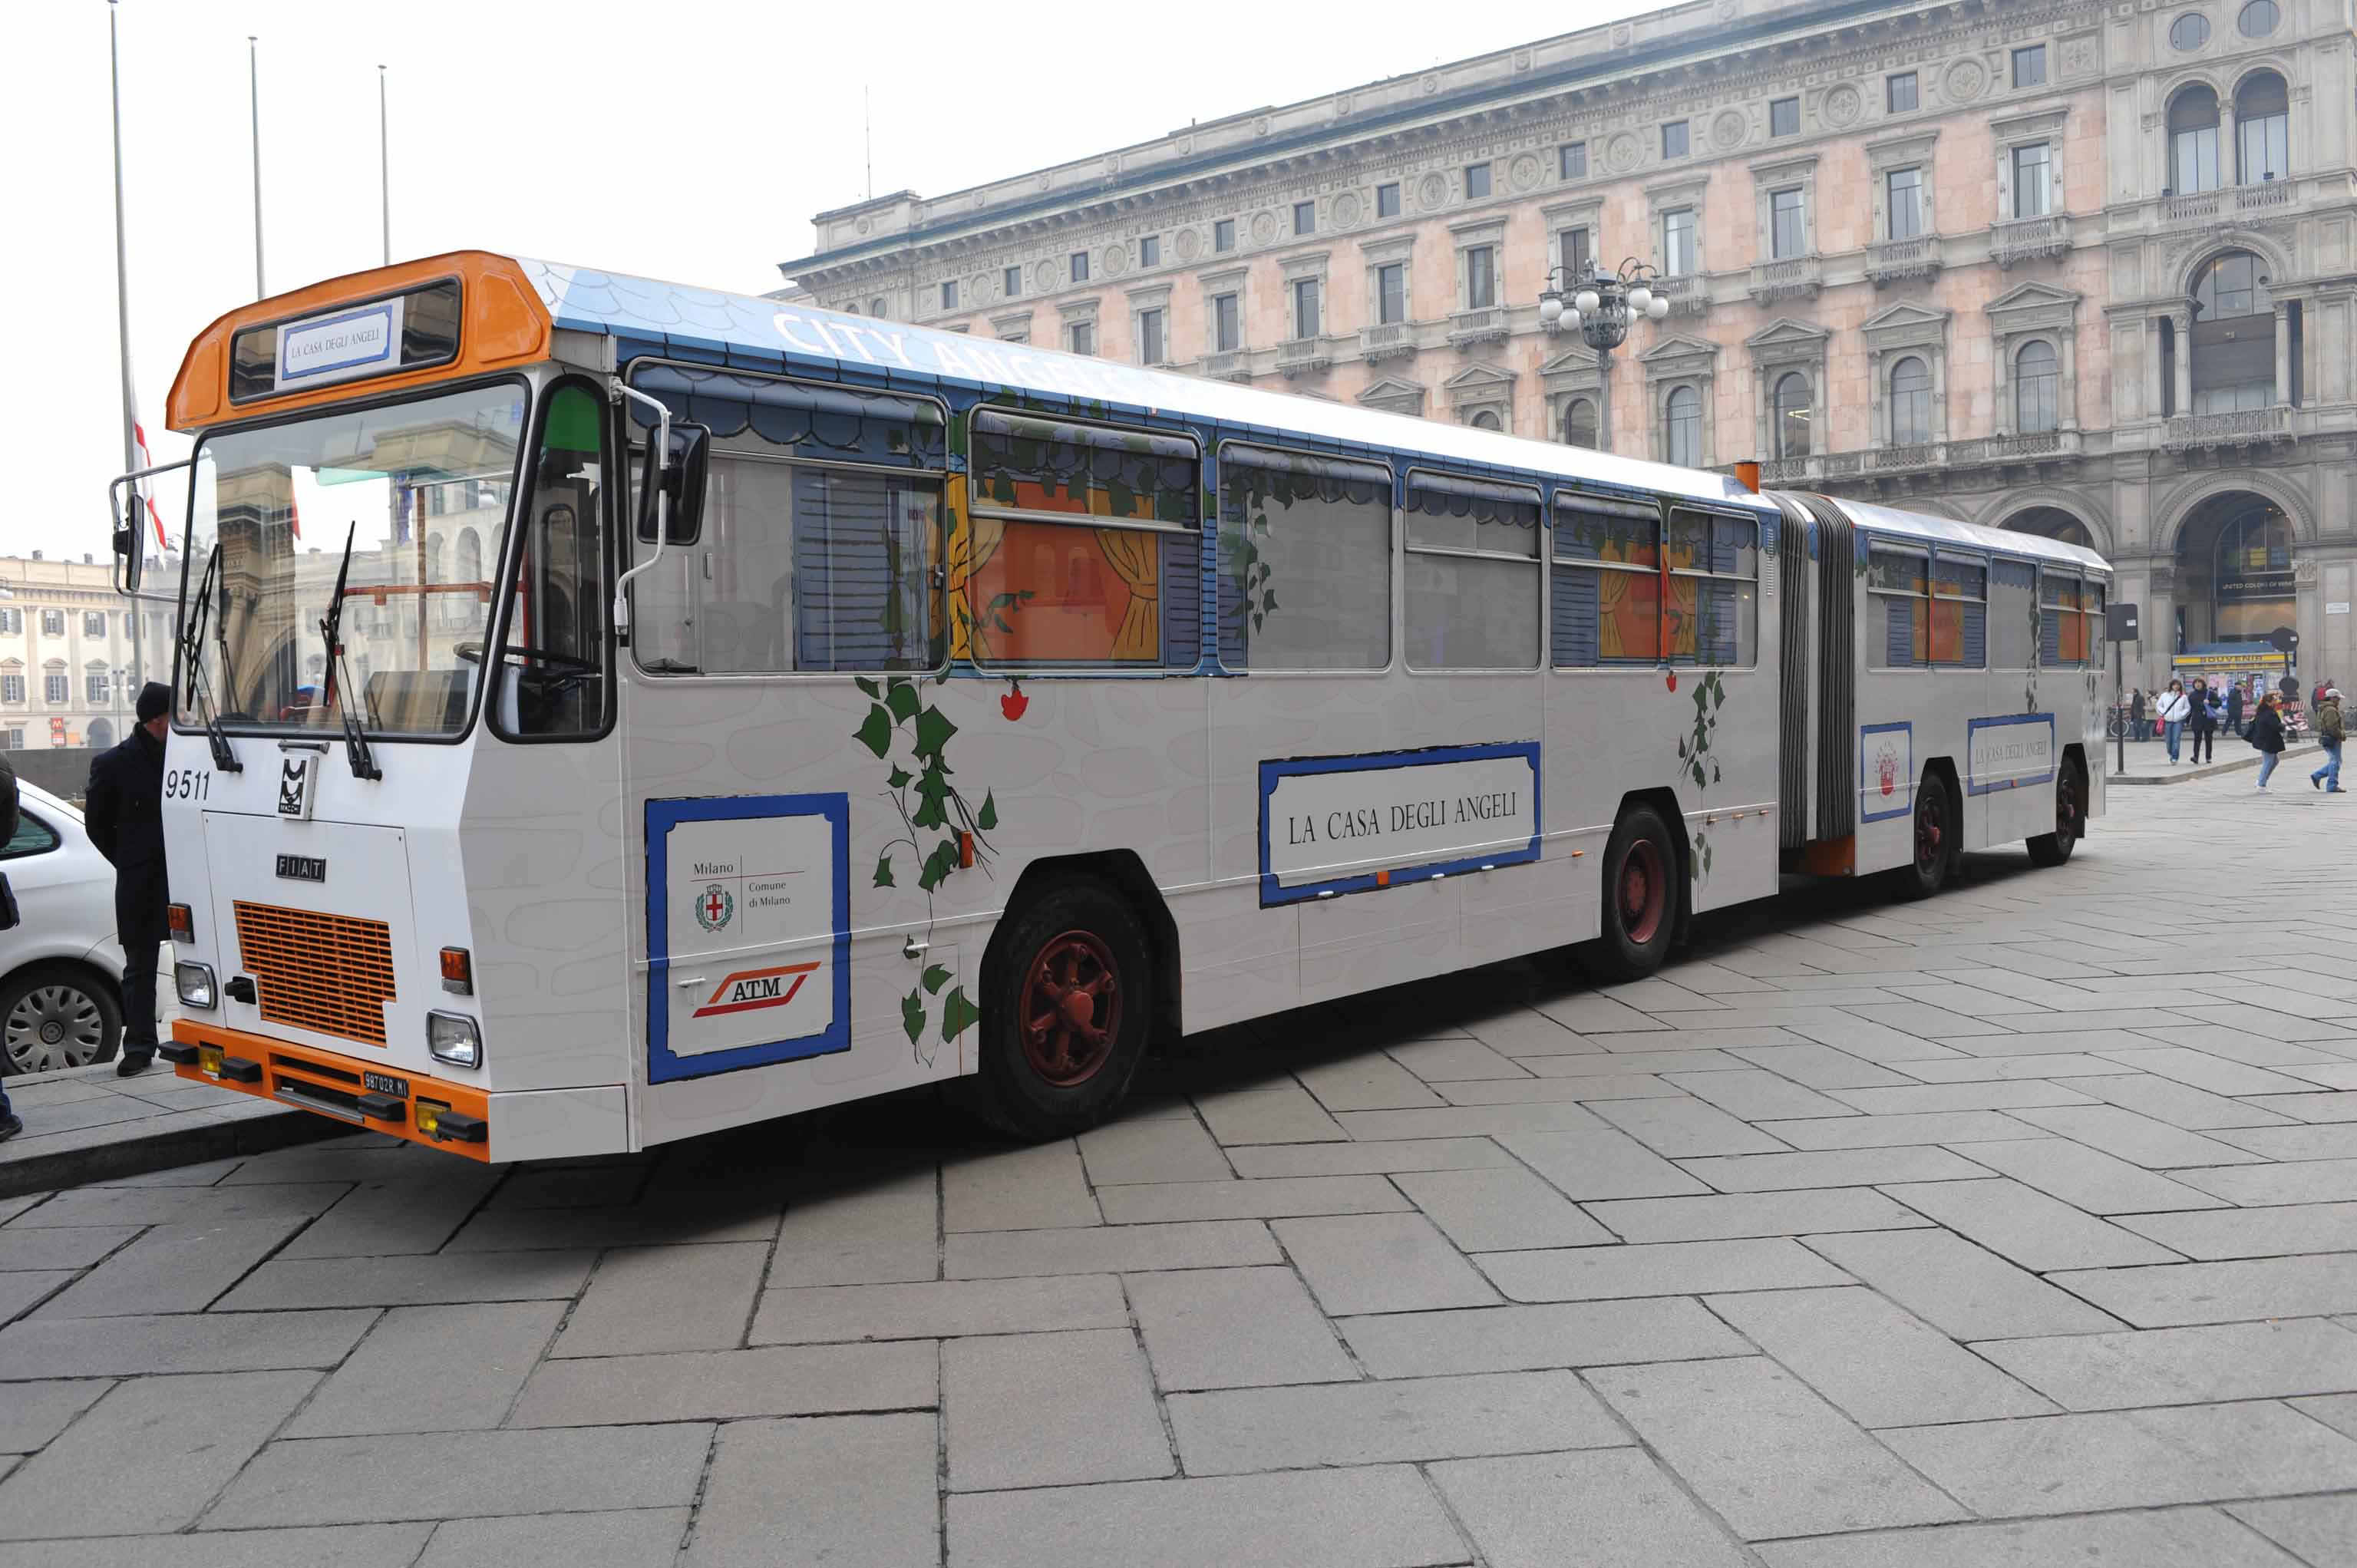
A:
972,541
1136,559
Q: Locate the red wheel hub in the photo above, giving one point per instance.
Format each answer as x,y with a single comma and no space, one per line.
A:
1930,837
1644,892
1070,1012
2066,810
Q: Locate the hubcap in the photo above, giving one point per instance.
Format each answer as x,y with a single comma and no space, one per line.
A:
1928,837
2066,810
1070,1014
1644,892
52,1026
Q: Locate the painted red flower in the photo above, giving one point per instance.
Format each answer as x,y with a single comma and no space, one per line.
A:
1014,703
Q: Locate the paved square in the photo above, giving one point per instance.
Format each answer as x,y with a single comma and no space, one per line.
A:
2018,1226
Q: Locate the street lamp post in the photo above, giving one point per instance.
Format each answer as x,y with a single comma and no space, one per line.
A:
1602,305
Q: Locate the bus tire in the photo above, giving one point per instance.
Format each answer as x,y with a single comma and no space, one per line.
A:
1067,1011
2070,819
1641,896
1934,840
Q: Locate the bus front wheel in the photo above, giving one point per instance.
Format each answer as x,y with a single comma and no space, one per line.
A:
1934,840
2070,819
1067,1010
1641,896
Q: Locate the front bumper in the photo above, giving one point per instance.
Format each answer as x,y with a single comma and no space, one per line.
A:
434,1113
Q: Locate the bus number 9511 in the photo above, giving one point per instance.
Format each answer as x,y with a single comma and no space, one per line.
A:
188,784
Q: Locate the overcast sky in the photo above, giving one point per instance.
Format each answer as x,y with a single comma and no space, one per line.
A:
511,132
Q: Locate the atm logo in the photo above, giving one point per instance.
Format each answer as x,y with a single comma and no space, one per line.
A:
751,988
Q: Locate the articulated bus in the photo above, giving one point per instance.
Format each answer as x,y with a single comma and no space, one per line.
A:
610,712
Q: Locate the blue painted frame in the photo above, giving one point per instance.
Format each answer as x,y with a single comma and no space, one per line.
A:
662,816
1864,731
1973,726
1271,772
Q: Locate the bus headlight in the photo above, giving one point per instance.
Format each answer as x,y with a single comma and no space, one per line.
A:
196,983
453,1037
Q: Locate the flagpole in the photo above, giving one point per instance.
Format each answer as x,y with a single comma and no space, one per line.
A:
384,164
122,321
254,87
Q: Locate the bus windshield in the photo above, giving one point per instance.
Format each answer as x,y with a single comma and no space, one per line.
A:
421,489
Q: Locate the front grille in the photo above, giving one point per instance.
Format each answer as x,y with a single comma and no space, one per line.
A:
329,973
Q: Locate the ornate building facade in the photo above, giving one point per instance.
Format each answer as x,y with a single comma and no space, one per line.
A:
65,653
2088,270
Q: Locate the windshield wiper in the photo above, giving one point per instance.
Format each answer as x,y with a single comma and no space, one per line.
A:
356,746
200,697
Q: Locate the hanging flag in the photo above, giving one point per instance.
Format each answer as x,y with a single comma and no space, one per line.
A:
147,460
294,514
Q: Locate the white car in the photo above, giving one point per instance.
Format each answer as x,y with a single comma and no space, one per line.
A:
60,968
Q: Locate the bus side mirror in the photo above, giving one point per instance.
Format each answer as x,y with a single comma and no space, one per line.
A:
129,557
681,484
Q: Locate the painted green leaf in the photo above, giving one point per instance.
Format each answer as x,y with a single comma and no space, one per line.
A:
958,1014
938,866
987,818
913,1016
936,978
932,799
933,732
901,777
870,687
902,699
1268,601
884,872
874,732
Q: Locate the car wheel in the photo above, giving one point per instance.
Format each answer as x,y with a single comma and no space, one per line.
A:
57,1015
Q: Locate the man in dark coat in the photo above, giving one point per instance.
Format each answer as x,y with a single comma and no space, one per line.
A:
125,814
9,1123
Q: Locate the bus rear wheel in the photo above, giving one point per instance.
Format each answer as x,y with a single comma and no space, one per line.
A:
1934,840
2070,819
1067,1009
1641,896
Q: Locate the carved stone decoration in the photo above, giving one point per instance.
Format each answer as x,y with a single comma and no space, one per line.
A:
1620,35
1432,192
1431,85
1622,153
1729,9
1190,244
1260,126
1044,279
981,288
1841,105
1346,209
1523,174
1962,82
1726,131
1263,228
2078,56
1116,260
1522,60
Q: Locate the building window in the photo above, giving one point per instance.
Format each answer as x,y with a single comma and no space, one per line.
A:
12,688
1911,403
1486,419
54,690
1571,161
1081,337
1784,117
1080,266
1012,282
93,623
1682,428
1793,420
1572,252
2030,66
2036,381
2234,339
2188,32
1898,92
1388,200
2193,141
12,739
1678,242
1905,187
94,689
1391,292
1227,324
11,622
1304,217
1674,139
1150,251
1477,181
1579,423
1150,346
2033,171
2259,18
1480,277
2263,129
53,623
1223,235
949,296
1472,566
876,307
1306,322
1788,230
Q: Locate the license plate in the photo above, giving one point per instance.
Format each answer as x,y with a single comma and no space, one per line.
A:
378,1083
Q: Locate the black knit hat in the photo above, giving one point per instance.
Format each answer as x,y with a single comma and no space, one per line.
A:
155,701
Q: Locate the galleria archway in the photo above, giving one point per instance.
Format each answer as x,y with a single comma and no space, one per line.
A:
2233,571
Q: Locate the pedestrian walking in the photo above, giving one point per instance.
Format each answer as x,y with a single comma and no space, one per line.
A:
2202,722
2173,709
2235,694
10,1122
2267,734
125,814
2328,733
2135,714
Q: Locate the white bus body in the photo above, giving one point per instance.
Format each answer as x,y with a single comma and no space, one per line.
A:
1005,709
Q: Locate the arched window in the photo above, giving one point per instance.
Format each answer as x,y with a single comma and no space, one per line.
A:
2037,381
433,558
2262,127
2193,140
1486,420
1579,423
875,308
2259,18
470,556
1683,427
100,735
1911,403
2234,339
1793,421
2188,32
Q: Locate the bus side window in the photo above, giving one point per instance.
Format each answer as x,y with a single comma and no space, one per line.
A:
2013,615
550,674
1305,561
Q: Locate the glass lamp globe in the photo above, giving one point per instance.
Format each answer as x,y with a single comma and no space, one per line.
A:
1571,319
1587,302
1550,309
1657,309
1640,297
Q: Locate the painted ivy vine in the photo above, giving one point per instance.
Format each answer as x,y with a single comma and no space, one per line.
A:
913,735
1695,758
